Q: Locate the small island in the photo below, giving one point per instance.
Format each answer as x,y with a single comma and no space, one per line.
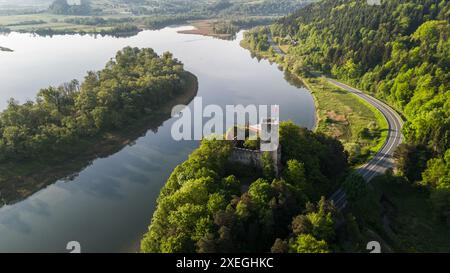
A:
5,49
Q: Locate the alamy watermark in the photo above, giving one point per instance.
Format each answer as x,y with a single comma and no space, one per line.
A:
258,122
374,247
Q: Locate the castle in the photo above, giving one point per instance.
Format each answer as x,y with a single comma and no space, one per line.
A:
255,157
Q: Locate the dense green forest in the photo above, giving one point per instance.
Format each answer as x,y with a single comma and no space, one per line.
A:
134,84
399,52
210,204
63,7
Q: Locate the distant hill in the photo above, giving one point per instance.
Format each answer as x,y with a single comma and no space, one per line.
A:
64,7
25,2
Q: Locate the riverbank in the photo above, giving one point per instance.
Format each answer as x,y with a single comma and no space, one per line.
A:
18,181
358,125
226,28
127,25
46,24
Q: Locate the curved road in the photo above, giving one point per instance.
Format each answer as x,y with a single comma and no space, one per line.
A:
383,160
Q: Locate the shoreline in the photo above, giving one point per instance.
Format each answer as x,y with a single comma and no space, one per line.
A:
204,28
22,181
333,118
316,104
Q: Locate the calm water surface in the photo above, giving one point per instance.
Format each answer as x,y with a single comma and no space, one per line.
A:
108,205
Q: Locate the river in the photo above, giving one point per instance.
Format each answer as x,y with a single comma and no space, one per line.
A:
107,206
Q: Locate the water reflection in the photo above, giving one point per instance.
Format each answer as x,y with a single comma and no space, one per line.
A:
107,204
19,188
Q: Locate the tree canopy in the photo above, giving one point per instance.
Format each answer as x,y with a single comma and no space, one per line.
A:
398,51
134,83
209,205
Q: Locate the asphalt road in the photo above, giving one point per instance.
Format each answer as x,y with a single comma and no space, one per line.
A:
383,160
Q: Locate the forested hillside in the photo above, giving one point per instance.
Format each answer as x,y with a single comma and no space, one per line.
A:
212,205
180,7
399,52
215,7
63,7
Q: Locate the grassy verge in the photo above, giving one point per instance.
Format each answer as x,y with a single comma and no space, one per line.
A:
205,28
20,180
357,124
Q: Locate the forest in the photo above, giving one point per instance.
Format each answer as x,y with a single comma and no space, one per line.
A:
112,17
64,8
399,52
136,83
210,204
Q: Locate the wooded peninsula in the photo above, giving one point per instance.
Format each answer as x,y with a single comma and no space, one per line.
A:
70,125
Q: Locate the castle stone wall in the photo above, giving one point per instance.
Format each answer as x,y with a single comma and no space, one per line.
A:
247,157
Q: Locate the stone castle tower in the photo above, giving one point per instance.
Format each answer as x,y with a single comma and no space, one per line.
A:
268,132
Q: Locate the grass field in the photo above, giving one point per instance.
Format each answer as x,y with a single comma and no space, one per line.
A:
345,116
